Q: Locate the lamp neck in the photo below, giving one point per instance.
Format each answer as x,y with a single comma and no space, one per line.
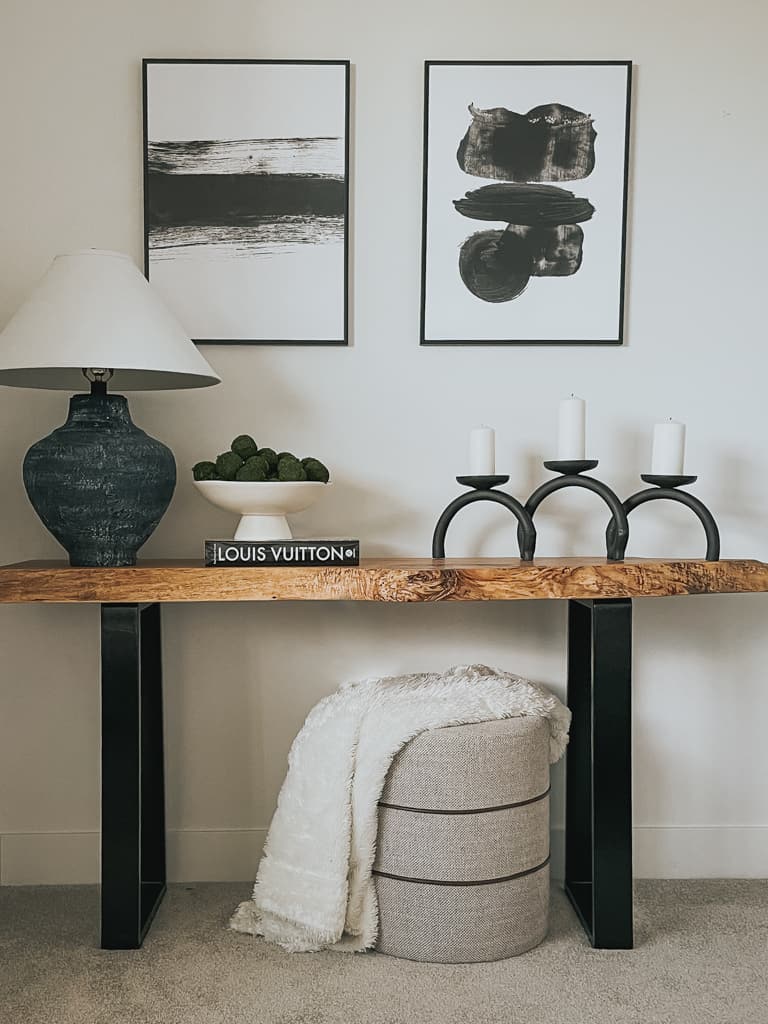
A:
97,377
99,411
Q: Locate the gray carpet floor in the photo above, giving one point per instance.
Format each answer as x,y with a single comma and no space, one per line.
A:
701,956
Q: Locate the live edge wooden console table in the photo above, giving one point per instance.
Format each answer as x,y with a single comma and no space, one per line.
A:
598,846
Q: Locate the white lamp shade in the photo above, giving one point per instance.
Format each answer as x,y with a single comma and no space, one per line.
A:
95,309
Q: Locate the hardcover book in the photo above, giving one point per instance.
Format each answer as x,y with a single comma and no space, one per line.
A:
282,552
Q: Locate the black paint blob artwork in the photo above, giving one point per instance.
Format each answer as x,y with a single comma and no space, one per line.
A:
552,142
524,212
549,143
496,266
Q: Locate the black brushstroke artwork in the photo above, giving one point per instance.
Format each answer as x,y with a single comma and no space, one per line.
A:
496,266
552,142
554,252
532,205
241,198
549,143
244,197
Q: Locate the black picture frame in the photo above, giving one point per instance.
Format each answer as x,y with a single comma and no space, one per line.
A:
619,339
345,66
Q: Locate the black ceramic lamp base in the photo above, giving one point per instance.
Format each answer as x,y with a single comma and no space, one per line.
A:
99,483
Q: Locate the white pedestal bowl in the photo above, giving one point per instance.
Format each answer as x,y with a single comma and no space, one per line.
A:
262,506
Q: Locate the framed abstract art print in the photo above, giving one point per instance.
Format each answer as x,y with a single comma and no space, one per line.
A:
525,202
246,197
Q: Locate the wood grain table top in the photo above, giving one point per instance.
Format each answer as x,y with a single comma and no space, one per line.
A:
383,579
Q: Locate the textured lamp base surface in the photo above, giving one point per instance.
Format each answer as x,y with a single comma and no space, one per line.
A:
99,483
462,862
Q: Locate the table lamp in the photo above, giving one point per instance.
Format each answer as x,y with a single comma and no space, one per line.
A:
99,483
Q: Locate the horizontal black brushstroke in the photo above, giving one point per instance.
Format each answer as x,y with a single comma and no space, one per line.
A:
552,142
197,199
534,205
321,155
262,236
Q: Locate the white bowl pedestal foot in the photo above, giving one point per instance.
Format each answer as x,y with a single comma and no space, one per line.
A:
262,528
262,505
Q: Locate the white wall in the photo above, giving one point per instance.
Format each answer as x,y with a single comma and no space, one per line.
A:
391,418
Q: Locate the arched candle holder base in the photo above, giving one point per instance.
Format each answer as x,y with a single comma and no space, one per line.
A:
617,535
666,488
483,490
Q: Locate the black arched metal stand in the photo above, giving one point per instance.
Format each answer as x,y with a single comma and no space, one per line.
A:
617,537
666,487
482,490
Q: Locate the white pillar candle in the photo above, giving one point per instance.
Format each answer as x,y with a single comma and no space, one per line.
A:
570,437
482,451
668,453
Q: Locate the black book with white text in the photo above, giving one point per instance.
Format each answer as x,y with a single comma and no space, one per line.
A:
265,553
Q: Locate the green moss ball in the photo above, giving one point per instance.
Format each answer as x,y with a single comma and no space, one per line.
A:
285,455
244,446
270,456
227,465
205,471
315,470
254,468
291,469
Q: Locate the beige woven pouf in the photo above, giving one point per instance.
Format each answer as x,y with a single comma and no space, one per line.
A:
462,862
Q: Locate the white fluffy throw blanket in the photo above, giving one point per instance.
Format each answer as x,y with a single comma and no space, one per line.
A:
314,887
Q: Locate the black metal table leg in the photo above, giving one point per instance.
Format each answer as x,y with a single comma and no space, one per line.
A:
133,879
598,836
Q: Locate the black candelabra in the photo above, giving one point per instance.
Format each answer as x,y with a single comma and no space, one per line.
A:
571,474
